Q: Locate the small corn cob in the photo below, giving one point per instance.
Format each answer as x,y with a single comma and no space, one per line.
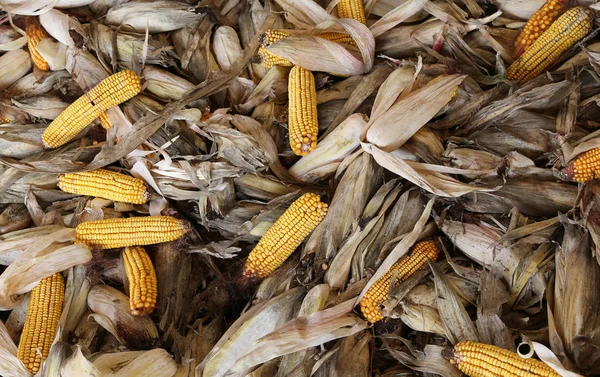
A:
35,33
104,121
338,38
105,184
45,308
109,92
302,118
583,168
484,360
568,29
4,119
285,235
404,268
538,23
352,9
142,280
131,231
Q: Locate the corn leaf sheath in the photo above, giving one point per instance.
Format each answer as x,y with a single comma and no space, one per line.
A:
41,322
403,269
110,92
568,29
285,235
484,360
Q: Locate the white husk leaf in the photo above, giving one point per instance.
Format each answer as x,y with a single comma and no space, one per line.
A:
13,65
56,23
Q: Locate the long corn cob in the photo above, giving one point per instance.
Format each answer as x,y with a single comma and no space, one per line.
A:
109,92
4,119
569,28
41,322
404,268
583,168
538,23
352,9
142,280
105,184
303,122
35,33
131,231
484,360
285,235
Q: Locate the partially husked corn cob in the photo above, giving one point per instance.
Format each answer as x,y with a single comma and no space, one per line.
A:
352,9
4,119
537,24
131,231
109,92
142,280
104,121
303,122
484,360
568,29
285,235
338,38
41,322
584,167
35,33
105,184
404,268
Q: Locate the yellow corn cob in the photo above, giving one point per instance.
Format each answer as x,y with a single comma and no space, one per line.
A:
484,360
131,231
537,24
303,123
109,92
338,38
105,184
285,235
142,280
352,9
583,168
4,119
569,28
45,308
104,121
35,33
404,268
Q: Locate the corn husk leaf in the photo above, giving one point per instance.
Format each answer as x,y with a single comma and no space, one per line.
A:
57,24
78,365
400,14
153,363
156,17
13,65
429,360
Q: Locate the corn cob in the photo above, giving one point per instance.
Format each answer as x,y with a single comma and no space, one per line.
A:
131,231
110,92
537,24
285,235
583,168
352,9
35,33
404,268
45,308
142,280
105,184
4,119
104,121
569,28
302,119
484,360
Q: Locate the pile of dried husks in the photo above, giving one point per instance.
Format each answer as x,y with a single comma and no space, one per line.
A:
296,188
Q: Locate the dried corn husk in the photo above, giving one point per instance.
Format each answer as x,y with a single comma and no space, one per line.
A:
156,16
13,65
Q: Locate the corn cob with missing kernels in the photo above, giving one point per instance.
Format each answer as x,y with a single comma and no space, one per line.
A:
41,322
583,168
105,184
538,23
110,92
404,268
568,29
35,33
142,280
303,122
285,235
352,9
484,360
131,231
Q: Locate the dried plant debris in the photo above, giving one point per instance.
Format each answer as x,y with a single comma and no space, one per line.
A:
283,188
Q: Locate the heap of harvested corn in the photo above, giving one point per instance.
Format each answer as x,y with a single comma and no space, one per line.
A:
288,188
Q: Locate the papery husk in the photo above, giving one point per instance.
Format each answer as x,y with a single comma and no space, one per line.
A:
428,360
75,304
13,65
164,84
354,356
46,106
59,355
14,217
274,86
34,85
490,327
156,17
227,49
11,39
304,15
154,363
111,311
519,10
581,58
473,159
54,53
396,16
197,345
421,318
78,365
105,362
57,25
257,322
262,187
